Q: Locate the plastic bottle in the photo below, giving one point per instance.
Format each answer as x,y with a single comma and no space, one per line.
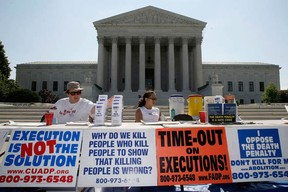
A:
172,113
53,110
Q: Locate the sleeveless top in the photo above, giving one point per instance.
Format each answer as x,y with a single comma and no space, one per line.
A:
150,115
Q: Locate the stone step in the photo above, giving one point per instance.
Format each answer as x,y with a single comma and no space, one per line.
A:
34,112
261,117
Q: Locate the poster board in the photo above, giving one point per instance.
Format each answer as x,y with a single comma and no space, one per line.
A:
219,113
258,153
144,155
41,158
118,157
192,155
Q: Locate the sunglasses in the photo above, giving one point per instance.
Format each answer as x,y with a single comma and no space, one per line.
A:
154,99
75,93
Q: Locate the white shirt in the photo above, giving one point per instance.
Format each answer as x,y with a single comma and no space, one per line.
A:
71,112
150,115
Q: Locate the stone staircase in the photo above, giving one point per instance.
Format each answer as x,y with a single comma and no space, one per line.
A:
262,111
22,112
33,112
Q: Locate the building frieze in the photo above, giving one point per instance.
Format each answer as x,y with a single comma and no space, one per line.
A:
150,16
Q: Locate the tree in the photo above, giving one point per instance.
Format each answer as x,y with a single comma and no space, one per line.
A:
271,94
47,96
23,96
284,96
4,64
6,86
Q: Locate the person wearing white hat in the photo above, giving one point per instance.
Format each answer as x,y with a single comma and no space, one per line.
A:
73,108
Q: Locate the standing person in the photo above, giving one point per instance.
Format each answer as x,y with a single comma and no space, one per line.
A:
73,107
146,110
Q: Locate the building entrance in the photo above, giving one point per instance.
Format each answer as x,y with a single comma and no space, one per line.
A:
149,79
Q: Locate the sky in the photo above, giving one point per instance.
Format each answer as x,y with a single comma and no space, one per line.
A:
62,30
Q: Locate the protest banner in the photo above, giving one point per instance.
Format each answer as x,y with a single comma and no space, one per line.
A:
118,157
258,153
192,155
41,158
137,155
3,137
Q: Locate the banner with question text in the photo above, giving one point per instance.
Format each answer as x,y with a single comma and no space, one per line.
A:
118,157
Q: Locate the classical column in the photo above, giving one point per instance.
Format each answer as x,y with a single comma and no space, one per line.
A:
171,64
157,65
192,69
100,65
128,64
185,79
142,64
198,64
114,70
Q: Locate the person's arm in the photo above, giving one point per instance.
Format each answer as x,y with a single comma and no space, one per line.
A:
92,111
138,115
92,114
160,116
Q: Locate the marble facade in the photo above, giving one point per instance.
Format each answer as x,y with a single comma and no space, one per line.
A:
148,48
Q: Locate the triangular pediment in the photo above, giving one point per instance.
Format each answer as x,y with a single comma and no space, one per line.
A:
151,16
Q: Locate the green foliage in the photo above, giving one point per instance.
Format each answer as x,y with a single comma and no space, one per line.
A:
23,95
237,102
271,94
4,64
47,96
6,86
283,96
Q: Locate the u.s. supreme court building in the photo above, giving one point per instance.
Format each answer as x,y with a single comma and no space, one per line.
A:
151,48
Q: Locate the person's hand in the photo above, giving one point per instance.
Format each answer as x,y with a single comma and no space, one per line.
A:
110,101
